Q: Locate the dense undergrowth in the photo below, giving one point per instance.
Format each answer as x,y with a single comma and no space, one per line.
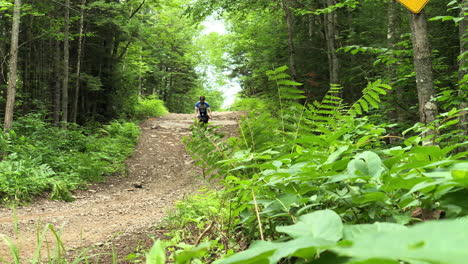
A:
327,183
39,158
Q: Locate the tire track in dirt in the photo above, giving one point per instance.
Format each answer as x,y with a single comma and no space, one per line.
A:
159,173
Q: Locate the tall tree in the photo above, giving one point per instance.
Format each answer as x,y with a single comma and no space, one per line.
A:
78,64
422,57
66,62
290,26
11,92
331,35
463,68
392,38
57,82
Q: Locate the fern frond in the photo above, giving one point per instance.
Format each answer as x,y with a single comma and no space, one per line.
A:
370,96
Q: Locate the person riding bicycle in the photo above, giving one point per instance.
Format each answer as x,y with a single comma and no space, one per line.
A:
202,110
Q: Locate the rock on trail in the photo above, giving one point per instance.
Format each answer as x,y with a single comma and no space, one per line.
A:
159,173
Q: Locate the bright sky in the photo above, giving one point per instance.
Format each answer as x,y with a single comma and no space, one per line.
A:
232,87
213,25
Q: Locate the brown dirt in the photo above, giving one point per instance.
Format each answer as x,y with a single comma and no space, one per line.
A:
121,212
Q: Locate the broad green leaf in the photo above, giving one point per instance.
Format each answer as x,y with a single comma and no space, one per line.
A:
258,253
303,247
324,224
374,261
426,186
351,232
329,257
190,253
441,242
366,164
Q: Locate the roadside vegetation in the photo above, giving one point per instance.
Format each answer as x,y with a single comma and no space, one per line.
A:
41,159
323,183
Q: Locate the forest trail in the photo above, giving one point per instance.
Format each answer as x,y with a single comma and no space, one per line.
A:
159,173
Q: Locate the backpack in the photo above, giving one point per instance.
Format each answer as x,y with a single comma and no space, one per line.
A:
202,110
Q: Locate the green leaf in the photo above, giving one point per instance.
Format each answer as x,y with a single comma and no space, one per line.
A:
13,248
190,253
289,83
370,197
324,224
371,101
303,247
364,105
157,254
374,261
366,164
380,90
258,253
281,69
358,109
336,154
374,95
441,242
350,232
278,76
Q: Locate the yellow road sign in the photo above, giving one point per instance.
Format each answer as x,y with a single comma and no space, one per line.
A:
414,6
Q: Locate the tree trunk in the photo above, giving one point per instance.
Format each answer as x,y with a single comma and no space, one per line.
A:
66,63
140,77
3,53
57,82
28,67
330,35
11,92
463,68
423,69
78,64
291,48
396,93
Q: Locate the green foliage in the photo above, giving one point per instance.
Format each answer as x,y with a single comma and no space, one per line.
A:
206,147
301,173
150,107
371,96
204,220
42,158
379,243
21,180
249,104
4,5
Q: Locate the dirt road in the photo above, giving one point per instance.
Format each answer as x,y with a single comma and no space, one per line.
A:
124,207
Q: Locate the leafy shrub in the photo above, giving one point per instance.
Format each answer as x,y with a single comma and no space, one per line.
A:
290,166
150,107
203,220
125,130
249,105
42,158
20,179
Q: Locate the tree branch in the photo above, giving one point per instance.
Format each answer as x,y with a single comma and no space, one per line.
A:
136,10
